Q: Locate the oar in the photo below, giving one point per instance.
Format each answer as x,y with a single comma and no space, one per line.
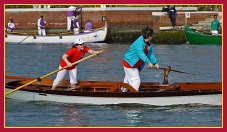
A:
24,39
53,72
177,71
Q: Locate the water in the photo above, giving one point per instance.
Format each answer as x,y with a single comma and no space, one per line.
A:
38,60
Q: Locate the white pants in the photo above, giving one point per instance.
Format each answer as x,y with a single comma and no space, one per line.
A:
69,22
42,32
76,30
132,77
61,74
214,32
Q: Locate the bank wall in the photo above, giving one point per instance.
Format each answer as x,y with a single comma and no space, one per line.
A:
118,19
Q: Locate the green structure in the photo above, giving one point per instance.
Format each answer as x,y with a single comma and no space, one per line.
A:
198,38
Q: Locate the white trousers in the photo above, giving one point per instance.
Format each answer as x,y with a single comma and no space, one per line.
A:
214,32
69,22
76,30
42,32
61,74
132,77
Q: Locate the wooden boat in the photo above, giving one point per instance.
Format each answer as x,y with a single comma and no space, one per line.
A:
106,92
201,39
96,35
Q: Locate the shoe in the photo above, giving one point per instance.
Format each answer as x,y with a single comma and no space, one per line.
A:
73,88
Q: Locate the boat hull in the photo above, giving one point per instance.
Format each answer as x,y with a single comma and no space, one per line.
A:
211,99
201,39
98,35
105,92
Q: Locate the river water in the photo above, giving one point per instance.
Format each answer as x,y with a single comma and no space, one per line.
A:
37,60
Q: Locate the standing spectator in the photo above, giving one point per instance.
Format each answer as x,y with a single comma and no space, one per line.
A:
78,10
41,26
70,17
215,26
88,26
10,26
76,25
172,12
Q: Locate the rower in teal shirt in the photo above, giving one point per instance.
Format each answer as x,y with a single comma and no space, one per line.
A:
139,54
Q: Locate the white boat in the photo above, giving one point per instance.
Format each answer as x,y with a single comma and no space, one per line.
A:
96,35
104,92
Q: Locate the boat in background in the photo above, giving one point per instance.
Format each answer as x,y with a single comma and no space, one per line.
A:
106,92
198,38
96,35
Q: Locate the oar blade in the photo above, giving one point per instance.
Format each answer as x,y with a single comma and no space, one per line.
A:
182,72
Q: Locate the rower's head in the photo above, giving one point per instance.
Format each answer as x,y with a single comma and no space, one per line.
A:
215,17
147,34
10,20
79,43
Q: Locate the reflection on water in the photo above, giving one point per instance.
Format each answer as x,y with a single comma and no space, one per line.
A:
70,117
45,113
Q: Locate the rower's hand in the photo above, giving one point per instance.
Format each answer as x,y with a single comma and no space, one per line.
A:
99,52
150,65
69,64
157,66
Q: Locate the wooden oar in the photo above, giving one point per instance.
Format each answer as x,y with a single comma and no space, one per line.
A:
53,72
177,71
23,39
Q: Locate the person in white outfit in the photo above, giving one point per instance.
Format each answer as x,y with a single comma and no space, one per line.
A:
76,25
70,16
41,26
74,54
10,26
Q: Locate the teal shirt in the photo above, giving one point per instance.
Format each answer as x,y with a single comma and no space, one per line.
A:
136,52
215,25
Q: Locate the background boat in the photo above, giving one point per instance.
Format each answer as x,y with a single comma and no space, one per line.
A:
198,38
96,35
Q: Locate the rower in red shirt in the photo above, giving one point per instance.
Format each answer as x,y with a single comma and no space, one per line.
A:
74,54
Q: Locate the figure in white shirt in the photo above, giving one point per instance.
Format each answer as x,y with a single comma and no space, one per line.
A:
41,26
76,25
70,17
10,26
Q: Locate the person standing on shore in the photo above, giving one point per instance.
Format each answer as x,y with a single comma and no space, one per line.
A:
10,26
76,25
139,54
172,13
78,10
215,26
74,54
70,17
41,26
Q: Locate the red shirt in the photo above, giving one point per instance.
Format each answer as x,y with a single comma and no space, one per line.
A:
74,55
139,63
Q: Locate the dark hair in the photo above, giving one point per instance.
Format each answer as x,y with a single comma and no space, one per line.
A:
74,46
146,32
